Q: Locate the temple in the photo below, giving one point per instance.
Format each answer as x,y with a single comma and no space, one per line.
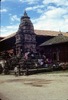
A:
42,41
25,36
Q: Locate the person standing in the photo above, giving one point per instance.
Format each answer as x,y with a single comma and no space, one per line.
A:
16,71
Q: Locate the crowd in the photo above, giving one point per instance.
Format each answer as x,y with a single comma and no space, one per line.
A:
36,59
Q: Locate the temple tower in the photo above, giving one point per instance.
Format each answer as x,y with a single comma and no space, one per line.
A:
25,36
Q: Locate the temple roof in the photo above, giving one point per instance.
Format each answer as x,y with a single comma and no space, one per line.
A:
1,38
56,40
39,32
50,33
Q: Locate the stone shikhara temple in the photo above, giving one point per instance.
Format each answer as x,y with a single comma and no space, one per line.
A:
25,36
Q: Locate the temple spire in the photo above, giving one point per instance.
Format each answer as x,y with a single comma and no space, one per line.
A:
25,14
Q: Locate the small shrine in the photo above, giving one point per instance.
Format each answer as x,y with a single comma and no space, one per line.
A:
25,36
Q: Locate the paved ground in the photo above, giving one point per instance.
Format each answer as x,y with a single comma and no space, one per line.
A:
51,86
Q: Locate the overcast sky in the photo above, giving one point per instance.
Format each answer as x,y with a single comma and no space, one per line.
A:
44,14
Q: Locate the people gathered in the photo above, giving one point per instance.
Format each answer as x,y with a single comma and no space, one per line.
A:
30,60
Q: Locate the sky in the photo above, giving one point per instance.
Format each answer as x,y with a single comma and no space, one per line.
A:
44,14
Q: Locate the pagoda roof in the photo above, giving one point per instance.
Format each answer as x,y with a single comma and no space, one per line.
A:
49,33
56,40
